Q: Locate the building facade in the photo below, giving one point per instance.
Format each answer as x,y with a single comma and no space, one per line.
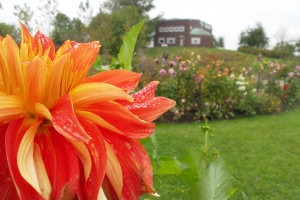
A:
183,32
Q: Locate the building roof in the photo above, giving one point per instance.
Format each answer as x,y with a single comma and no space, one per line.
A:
199,31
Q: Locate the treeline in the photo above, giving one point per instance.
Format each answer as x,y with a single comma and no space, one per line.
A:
111,22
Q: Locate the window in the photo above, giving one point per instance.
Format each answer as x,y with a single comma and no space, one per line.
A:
195,40
171,29
207,26
161,40
166,29
176,29
181,28
161,29
171,40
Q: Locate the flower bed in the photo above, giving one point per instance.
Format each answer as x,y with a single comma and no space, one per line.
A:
209,86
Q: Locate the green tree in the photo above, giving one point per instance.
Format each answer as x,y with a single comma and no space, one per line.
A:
10,29
255,37
143,6
49,11
67,29
221,42
24,14
109,28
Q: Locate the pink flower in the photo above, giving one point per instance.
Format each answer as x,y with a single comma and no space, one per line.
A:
262,67
250,69
198,79
156,61
176,112
246,72
278,67
177,57
182,100
298,68
184,69
172,64
291,74
274,71
162,72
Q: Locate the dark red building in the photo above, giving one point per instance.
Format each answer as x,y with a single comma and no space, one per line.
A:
183,32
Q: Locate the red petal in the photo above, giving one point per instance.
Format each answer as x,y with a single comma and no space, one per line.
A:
61,163
124,79
7,187
151,109
97,150
122,119
135,164
14,134
65,121
46,43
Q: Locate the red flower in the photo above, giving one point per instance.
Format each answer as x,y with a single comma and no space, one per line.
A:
65,136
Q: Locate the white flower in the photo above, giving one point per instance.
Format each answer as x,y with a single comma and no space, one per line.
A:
241,88
239,83
246,83
232,76
245,93
241,78
254,90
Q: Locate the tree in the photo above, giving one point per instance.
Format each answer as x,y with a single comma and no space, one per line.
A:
1,6
143,6
10,29
49,11
66,29
85,12
255,37
24,14
221,42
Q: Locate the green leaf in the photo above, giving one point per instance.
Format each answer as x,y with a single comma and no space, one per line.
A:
192,166
215,183
154,141
127,48
168,166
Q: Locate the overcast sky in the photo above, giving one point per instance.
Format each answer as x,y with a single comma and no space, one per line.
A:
227,17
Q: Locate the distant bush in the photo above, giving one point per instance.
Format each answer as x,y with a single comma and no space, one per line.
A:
264,52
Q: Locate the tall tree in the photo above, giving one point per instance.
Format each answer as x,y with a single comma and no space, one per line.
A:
49,11
66,29
255,37
24,14
85,12
9,29
143,6
221,42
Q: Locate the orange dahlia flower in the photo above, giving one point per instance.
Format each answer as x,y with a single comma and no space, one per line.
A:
65,136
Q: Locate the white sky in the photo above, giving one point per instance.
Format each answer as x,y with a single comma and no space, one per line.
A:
227,17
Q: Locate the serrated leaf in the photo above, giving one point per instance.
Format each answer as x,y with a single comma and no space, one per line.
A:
215,183
127,48
192,166
168,166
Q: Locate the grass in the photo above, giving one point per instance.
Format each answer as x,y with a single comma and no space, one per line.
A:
261,152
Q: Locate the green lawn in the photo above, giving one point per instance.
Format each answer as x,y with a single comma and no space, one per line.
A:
262,153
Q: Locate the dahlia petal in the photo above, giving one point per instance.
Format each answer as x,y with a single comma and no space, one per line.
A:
114,171
7,187
65,121
127,123
43,179
135,164
11,107
97,120
42,111
124,79
84,54
147,93
58,78
95,92
35,77
44,45
97,150
10,66
14,135
151,109
25,159
61,163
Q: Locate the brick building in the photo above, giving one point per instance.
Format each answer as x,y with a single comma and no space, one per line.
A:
183,32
